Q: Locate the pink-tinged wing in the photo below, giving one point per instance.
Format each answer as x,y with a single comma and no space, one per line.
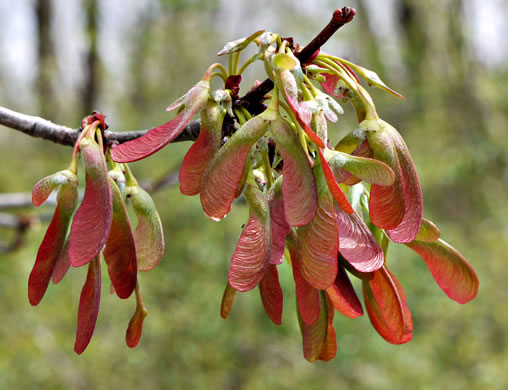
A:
88,306
450,269
148,236
271,294
253,252
160,136
330,85
44,187
120,250
386,203
62,264
337,193
286,81
227,301
343,297
201,152
318,242
135,328
280,227
307,297
52,244
357,244
314,336
92,221
407,230
329,349
222,179
428,231
408,318
298,183
385,306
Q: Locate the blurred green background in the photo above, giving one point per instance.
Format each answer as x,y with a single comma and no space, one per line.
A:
129,59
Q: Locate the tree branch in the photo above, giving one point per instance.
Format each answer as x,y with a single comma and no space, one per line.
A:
42,128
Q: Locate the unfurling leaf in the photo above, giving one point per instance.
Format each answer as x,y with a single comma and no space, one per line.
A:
450,269
318,242
239,44
271,294
387,308
253,252
158,137
227,301
343,296
202,151
53,243
298,183
120,250
88,306
222,179
92,222
148,236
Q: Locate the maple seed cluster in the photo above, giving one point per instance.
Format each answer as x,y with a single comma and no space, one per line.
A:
331,212
100,225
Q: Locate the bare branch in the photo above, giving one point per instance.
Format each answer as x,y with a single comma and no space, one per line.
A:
42,128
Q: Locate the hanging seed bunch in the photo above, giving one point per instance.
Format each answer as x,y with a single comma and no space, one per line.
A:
99,228
328,212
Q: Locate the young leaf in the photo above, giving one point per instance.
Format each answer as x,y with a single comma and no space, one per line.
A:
239,44
88,306
253,252
135,328
298,183
307,297
221,180
148,236
52,244
158,137
450,269
227,301
271,294
387,307
120,250
92,222
202,150
357,244
343,296
318,242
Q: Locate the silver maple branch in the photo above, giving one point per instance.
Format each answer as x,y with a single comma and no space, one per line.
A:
42,128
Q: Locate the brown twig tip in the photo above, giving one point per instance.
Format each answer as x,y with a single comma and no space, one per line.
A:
344,15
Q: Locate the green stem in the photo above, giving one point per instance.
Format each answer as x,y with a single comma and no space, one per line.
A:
131,180
248,62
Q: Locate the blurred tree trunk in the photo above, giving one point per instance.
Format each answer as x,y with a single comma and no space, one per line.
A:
91,80
46,58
